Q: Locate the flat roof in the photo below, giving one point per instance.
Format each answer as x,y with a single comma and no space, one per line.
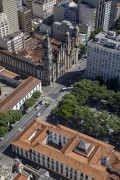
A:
20,92
89,165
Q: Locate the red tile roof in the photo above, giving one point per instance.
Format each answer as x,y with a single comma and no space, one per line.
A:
88,165
20,92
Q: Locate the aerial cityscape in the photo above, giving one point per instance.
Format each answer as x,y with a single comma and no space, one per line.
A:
59,89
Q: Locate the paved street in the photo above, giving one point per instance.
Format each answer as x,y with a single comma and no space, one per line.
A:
54,96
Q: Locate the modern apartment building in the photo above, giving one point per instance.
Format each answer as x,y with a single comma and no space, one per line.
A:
103,56
113,13
87,15
4,26
12,42
107,15
118,11
69,153
59,29
101,13
9,7
25,20
43,8
65,11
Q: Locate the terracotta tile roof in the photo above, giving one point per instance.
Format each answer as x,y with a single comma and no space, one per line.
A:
20,177
20,92
12,75
88,165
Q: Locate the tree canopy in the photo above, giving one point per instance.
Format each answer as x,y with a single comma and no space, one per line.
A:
89,107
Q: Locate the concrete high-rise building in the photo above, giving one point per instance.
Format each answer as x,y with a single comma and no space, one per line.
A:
43,8
25,20
4,26
101,13
65,11
107,15
103,57
113,13
9,7
87,15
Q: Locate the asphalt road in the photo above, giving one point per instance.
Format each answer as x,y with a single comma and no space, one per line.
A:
54,96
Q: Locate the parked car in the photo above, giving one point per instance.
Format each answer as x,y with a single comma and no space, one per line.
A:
36,107
38,114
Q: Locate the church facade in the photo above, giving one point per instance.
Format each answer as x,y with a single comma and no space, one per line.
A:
57,57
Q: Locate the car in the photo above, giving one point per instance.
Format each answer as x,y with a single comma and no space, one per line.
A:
1,138
36,107
41,102
38,114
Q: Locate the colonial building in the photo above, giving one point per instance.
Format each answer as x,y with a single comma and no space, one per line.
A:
72,154
46,60
23,92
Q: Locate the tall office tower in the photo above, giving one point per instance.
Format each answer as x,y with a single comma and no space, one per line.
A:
87,15
113,13
101,11
107,15
25,20
9,7
4,26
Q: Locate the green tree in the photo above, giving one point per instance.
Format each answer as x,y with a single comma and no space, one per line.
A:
29,102
14,115
3,130
36,94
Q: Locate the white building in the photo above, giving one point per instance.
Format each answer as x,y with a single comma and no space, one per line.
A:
23,92
43,8
87,15
9,7
103,56
67,152
4,26
12,42
107,15
118,11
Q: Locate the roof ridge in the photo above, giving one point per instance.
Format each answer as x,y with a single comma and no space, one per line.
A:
94,156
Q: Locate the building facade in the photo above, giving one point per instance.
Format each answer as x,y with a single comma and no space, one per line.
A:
107,15
87,15
4,26
103,57
71,154
25,20
10,9
24,91
43,9
113,13
65,11
101,13
13,42
47,60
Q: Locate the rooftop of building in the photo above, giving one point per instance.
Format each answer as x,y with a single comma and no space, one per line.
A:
21,91
108,40
12,36
9,74
20,177
81,152
65,23
33,51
